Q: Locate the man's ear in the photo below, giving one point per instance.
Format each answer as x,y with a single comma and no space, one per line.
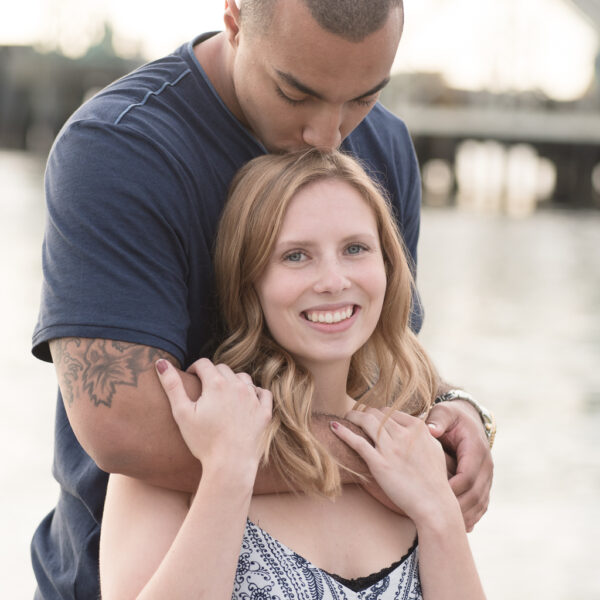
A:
232,21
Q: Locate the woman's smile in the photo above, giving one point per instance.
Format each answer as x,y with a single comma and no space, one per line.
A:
333,315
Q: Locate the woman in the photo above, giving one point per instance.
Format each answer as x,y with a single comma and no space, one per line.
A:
315,291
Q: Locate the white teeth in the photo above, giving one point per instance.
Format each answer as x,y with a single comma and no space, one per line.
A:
329,317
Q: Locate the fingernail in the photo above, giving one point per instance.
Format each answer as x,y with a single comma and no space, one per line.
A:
161,365
334,425
432,425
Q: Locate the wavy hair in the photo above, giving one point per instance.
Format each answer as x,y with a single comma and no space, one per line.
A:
390,370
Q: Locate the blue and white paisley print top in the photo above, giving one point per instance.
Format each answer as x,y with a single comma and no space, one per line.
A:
268,570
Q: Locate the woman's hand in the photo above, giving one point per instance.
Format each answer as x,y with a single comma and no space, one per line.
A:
223,428
405,459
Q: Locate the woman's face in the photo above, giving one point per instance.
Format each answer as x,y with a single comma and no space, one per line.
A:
324,284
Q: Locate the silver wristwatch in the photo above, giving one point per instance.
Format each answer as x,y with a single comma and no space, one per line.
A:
487,418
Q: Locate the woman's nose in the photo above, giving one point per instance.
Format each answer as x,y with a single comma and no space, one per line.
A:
331,279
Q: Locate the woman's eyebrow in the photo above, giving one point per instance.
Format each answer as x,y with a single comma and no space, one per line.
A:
358,236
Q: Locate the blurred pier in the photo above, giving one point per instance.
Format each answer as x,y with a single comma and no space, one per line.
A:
508,151
569,139
40,89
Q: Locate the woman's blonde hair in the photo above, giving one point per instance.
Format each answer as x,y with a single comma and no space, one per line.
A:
391,369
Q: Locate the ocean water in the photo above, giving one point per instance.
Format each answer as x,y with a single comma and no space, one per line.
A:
512,315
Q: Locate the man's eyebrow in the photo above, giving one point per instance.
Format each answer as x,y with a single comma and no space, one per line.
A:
301,87
375,89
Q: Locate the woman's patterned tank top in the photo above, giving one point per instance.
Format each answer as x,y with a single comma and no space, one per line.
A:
268,570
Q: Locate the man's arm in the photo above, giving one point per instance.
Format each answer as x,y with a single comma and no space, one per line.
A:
123,420
122,417
119,413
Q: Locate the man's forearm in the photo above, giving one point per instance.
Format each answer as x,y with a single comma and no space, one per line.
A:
122,417
119,413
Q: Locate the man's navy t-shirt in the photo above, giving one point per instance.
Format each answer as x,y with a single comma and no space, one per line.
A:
135,185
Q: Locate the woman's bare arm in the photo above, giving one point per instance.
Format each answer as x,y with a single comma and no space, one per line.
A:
152,546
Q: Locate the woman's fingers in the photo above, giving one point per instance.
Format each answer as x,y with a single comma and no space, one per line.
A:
370,421
200,367
245,378
173,386
359,444
211,373
265,399
226,372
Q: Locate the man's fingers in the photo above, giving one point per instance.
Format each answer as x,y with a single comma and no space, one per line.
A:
440,420
472,489
473,505
450,464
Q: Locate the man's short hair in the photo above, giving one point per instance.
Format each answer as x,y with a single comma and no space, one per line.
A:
351,19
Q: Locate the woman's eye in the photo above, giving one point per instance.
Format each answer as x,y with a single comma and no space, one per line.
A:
355,249
295,256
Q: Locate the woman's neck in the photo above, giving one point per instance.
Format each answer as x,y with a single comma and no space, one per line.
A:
330,395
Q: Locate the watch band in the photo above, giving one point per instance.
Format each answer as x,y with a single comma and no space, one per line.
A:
487,418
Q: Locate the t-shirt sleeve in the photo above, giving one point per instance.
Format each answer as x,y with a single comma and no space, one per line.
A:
383,143
411,201
114,252
410,222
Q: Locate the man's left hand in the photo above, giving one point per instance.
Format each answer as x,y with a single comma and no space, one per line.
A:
458,427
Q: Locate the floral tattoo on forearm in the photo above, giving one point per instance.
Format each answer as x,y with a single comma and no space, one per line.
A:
96,368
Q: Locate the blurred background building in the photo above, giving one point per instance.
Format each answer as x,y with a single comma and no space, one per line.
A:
495,131
503,102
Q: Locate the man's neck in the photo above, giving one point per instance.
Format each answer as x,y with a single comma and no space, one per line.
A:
214,55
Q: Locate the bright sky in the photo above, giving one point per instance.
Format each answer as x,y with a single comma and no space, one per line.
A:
499,45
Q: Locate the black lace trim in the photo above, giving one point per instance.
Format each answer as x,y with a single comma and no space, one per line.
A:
362,583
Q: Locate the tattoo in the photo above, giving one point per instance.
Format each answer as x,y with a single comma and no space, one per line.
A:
98,367
70,367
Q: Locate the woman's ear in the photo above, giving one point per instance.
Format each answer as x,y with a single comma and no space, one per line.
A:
232,20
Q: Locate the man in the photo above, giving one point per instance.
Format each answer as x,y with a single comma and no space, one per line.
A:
135,185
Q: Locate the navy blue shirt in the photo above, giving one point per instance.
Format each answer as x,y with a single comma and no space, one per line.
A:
135,185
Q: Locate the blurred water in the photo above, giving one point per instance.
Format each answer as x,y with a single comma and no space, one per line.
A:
512,315
26,427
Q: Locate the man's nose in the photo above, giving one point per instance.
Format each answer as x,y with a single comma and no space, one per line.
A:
322,130
331,278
